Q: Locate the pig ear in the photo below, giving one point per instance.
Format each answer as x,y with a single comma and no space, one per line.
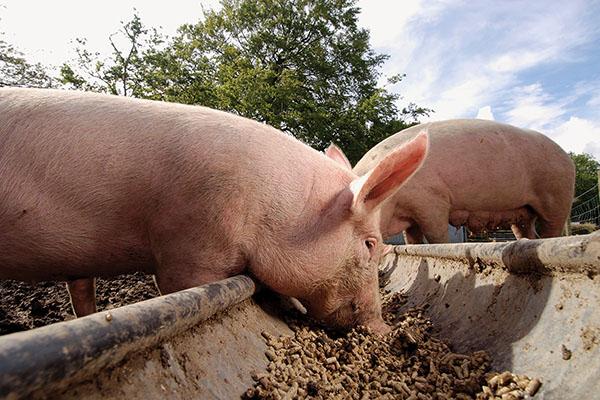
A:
336,154
371,189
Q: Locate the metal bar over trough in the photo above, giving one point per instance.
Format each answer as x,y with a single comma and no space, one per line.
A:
61,353
580,254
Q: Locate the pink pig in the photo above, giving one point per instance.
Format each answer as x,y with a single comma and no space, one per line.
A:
96,185
477,173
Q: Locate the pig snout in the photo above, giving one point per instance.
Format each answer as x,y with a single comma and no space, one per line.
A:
348,317
362,310
372,319
379,327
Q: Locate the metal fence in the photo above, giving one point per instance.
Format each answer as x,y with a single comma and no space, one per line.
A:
587,209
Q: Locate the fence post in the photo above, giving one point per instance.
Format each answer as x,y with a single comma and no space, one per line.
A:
567,228
598,219
598,181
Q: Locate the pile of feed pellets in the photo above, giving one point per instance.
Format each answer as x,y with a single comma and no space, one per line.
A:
408,363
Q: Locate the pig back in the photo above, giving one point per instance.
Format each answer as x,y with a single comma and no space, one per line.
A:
480,165
87,179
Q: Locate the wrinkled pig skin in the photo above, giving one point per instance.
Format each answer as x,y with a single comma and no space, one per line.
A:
481,174
98,185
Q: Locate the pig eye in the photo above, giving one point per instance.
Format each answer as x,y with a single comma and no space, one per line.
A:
370,243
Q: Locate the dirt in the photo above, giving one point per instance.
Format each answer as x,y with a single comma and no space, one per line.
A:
25,306
590,337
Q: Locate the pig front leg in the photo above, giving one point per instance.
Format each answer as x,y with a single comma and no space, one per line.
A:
180,277
437,234
413,235
522,222
182,267
83,296
524,231
431,216
434,225
551,228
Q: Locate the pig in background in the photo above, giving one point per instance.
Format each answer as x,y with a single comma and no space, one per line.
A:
96,185
480,174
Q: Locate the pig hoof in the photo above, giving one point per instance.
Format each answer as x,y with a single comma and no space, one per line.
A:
296,303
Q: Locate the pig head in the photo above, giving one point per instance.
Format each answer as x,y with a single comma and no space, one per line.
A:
329,261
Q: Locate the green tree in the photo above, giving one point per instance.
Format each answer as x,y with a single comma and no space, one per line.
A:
302,66
125,72
586,167
15,70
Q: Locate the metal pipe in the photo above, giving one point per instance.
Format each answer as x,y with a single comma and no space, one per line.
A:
580,254
54,356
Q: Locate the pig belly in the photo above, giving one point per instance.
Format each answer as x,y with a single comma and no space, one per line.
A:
484,220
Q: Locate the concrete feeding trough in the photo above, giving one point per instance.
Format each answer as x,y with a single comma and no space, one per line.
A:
528,303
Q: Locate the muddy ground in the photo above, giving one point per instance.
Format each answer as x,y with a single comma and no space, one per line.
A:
24,306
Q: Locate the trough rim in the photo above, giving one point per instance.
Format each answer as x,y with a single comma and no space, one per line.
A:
571,254
55,356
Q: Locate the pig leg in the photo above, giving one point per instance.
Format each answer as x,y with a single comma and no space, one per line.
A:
413,235
517,231
551,228
552,218
437,234
553,209
179,269
434,223
83,296
172,278
524,231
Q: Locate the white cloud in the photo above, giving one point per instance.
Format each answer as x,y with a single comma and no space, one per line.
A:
515,61
531,107
472,57
593,148
594,101
485,113
43,30
461,99
460,56
386,20
578,135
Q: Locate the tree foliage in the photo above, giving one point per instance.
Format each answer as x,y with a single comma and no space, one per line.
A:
15,70
302,66
586,167
125,72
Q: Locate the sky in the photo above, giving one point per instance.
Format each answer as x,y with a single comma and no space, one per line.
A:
533,64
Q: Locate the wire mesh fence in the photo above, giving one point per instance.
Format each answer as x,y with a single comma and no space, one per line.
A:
587,209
